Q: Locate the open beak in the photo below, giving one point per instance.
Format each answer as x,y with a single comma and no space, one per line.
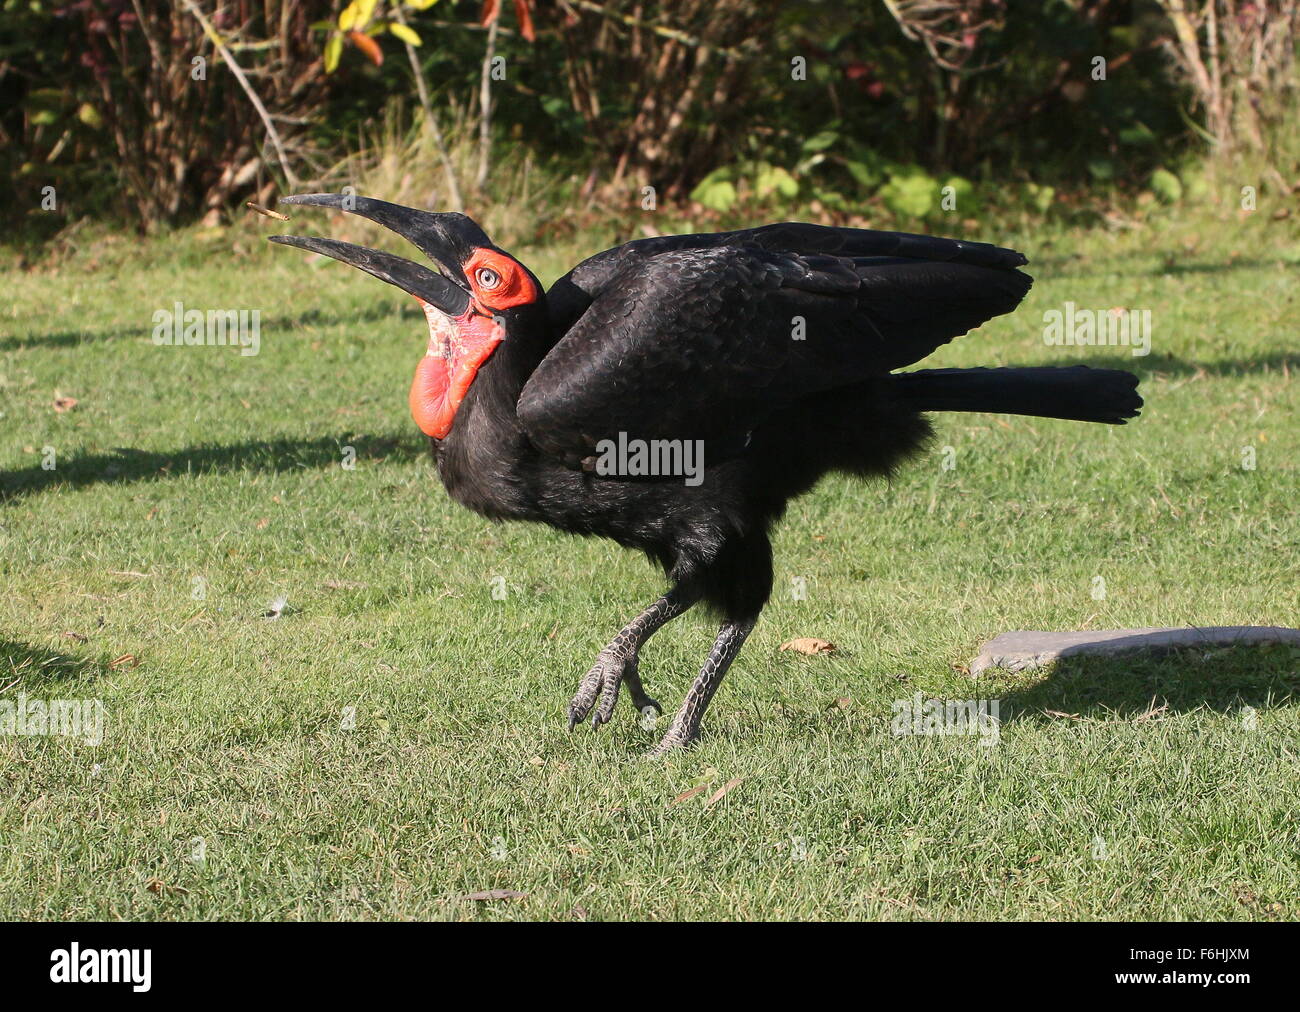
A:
435,235
461,336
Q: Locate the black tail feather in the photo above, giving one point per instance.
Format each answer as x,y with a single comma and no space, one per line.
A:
1075,392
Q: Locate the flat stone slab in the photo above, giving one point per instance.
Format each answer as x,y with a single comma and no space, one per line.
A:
1018,651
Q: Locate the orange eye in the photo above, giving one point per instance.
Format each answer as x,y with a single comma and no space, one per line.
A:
499,281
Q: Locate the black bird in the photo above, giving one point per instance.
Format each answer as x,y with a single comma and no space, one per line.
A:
772,351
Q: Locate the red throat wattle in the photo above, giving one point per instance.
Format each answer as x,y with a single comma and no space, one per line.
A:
457,348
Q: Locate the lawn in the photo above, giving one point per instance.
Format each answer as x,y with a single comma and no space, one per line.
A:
395,742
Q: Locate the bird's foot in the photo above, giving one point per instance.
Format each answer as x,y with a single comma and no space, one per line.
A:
681,735
669,744
599,689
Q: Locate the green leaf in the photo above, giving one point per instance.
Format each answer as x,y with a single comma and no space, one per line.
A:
774,179
719,196
1040,196
830,199
726,172
1138,133
1101,169
333,50
961,184
866,176
356,15
45,106
348,17
820,141
1166,186
716,191
910,195
405,33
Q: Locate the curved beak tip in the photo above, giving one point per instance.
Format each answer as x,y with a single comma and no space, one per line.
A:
297,241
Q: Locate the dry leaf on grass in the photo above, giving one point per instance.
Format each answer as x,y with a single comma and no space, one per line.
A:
809,645
64,404
687,795
722,790
158,886
124,661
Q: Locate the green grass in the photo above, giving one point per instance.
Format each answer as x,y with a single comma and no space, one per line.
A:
1132,789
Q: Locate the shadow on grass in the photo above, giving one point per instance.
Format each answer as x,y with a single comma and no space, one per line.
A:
125,465
311,317
1126,687
25,667
1169,365
1076,265
1174,266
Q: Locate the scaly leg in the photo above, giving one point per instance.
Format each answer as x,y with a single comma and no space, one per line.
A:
617,663
686,725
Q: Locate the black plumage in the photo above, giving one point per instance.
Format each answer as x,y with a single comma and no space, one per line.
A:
775,348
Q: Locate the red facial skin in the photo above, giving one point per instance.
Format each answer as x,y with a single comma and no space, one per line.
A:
458,347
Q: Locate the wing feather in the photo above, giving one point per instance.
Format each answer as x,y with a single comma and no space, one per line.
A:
700,337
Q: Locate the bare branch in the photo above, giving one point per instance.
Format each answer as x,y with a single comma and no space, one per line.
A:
235,69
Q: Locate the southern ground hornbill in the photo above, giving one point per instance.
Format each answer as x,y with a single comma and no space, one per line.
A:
775,347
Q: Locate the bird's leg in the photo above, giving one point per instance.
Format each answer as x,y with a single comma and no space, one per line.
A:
686,725
617,663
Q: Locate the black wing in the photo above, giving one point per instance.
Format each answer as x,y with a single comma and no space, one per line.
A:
700,337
